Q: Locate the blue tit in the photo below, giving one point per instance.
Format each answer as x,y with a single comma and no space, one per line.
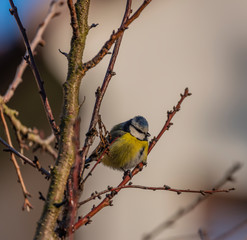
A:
128,145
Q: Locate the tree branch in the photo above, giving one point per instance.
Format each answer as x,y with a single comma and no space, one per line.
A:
26,159
164,188
101,92
115,35
35,71
27,205
28,133
38,39
67,151
182,212
108,199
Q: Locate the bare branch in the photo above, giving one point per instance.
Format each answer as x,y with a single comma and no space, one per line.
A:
74,22
26,159
38,39
101,92
35,71
107,200
179,214
164,188
28,133
27,205
114,36
170,115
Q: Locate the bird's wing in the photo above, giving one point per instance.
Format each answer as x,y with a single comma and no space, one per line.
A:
116,132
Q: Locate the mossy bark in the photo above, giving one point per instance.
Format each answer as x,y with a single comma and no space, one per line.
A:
66,156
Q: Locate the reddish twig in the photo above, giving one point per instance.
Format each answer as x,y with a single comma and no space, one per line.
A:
179,214
107,200
27,205
74,22
101,92
170,115
74,189
115,35
35,71
164,188
38,39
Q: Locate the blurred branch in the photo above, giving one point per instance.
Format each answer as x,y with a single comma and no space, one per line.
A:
164,188
31,61
231,231
107,201
180,213
28,133
27,205
38,40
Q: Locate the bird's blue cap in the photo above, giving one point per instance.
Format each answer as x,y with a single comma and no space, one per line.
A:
140,123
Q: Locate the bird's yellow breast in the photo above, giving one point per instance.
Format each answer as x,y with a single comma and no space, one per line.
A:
126,152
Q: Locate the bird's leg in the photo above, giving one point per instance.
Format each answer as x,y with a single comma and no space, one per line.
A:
127,173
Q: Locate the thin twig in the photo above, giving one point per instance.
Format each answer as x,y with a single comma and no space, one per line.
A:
101,92
164,188
115,35
107,200
170,115
38,39
35,71
26,159
27,205
180,213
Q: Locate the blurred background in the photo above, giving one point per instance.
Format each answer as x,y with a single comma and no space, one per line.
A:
172,45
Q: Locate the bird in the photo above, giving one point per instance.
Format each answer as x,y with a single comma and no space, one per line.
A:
128,145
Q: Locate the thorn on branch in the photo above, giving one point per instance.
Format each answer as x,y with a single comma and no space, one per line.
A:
58,205
202,193
42,42
41,197
112,73
109,188
98,92
166,187
93,25
12,10
88,221
27,59
64,53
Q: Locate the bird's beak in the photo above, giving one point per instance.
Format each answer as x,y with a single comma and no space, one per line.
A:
148,134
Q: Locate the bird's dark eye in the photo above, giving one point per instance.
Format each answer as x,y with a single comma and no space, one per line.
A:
139,130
